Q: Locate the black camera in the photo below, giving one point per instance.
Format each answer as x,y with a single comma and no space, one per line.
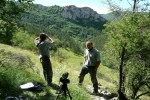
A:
64,77
63,86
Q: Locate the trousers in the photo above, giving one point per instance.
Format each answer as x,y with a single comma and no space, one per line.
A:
47,69
91,70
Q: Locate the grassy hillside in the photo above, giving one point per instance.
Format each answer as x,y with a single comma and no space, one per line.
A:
70,63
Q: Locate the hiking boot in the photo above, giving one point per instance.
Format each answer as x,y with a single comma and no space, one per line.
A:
94,92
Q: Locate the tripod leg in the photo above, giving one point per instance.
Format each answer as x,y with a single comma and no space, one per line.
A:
57,97
69,94
65,93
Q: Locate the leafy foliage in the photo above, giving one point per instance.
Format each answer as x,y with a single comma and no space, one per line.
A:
24,40
10,12
11,74
131,33
49,17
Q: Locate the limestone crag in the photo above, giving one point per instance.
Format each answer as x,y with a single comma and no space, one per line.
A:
75,13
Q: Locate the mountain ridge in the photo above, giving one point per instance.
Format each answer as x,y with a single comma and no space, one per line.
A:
73,12
50,18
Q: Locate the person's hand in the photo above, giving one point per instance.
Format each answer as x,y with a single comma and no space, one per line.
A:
47,36
96,68
37,38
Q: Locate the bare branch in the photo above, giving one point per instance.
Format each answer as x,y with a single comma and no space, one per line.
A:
142,94
129,3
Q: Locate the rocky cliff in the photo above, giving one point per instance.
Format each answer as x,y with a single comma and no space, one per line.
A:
75,13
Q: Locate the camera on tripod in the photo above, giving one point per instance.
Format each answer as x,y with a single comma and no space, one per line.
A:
63,86
64,79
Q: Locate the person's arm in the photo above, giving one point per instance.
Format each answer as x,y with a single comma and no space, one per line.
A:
36,41
84,60
98,60
97,64
52,41
38,38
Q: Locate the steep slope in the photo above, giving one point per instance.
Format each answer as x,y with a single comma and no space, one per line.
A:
71,64
78,23
112,15
84,16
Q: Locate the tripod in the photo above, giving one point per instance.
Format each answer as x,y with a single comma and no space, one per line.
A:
65,90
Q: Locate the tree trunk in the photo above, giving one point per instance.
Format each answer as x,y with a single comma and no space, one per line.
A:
120,73
134,6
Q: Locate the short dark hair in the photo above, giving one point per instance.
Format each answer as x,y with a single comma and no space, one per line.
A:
42,36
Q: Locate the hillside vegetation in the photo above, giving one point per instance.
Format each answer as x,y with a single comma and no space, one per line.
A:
27,68
123,43
47,19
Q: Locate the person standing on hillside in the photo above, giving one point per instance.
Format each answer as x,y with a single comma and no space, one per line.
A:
44,55
90,65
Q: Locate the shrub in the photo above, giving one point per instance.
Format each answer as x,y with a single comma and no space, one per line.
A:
24,40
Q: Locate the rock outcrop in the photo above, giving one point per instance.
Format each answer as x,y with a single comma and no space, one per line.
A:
102,95
75,13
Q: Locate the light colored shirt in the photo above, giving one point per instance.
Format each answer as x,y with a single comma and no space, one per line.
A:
43,48
92,57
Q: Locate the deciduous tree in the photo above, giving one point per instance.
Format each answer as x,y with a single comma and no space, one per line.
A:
128,45
10,11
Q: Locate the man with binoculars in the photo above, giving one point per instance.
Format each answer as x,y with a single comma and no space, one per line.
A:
44,55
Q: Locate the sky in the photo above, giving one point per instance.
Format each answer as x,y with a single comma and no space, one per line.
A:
96,5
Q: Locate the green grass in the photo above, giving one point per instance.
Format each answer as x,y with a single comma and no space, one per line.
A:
71,63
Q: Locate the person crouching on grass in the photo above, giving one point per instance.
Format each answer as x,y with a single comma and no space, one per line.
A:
44,55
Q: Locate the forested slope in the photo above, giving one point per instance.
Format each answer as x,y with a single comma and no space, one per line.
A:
46,19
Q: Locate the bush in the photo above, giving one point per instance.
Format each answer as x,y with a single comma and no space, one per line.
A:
16,69
24,40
